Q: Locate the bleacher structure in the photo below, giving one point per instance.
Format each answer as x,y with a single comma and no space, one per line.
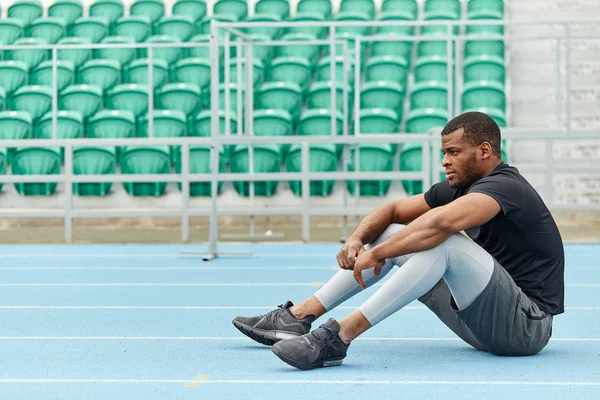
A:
398,86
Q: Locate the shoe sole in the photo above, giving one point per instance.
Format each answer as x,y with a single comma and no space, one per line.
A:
268,338
332,362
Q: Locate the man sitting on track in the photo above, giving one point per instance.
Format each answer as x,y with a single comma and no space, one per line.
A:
498,292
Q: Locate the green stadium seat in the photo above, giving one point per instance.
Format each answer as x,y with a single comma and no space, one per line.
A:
112,124
322,158
112,10
273,122
170,54
429,94
411,160
196,9
237,8
121,55
138,27
257,71
281,8
267,158
93,28
379,120
383,94
15,125
432,68
259,52
180,96
200,164
93,161
68,10
103,73
485,5
272,33
76,56
2,98
153,9
179,26
422,120
353,16
492,48
203,27
350,39
202,123
69,125
396,15
36,100
290,69
399,48
317,122
137,72
485,29
319,96
145,160
193,70
285,96
42,74
309,16
10,30
131,97
201,52
409,6
233,93
36,161
449,6
366,7
372,158
433,30
322,8
49,28
32,58
497,115
167,123
484,94
87,99
26,10
323,70
387,68
13,75
307,51
484,68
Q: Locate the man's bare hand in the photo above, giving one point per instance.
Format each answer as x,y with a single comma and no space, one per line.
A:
349,252
366,261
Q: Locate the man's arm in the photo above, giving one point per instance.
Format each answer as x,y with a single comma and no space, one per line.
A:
437,225
399,212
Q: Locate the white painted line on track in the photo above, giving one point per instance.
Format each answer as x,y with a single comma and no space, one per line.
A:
241,338
16,307
307,381
174,254
169,269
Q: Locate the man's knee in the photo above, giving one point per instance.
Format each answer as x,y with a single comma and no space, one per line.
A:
390,231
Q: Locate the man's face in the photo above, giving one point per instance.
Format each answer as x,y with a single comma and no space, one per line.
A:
460,160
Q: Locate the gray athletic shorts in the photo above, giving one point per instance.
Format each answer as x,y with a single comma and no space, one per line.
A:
501,320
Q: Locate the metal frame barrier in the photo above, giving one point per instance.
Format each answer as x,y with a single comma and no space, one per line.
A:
216,140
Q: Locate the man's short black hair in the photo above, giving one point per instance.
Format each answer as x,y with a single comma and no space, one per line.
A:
478,128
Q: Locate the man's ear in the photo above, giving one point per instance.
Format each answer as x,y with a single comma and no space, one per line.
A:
486,150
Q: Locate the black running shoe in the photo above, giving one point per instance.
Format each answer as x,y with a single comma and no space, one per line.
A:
319,348
277,325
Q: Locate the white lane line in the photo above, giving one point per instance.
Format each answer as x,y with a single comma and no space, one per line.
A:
309,381
173,254
195,284
241,338
169,269
209,308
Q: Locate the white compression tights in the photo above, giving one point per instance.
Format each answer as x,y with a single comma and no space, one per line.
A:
464,265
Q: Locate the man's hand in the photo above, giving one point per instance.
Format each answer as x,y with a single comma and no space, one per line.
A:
347,255
366,261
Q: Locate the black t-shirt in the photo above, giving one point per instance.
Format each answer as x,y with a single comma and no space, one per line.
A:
523,237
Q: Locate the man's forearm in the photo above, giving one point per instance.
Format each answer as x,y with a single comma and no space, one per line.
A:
373,225
422,234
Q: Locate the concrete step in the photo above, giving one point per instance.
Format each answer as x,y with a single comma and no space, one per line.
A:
583,74
543,6
546,50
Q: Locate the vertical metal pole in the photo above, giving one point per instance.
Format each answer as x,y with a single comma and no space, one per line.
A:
68,193
558,87
239,91
214,128
185,192
227,68
450,86
456,76
346,153
357,91
436,156
305,191
568,77
333,79
249,87
150,93
54,93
